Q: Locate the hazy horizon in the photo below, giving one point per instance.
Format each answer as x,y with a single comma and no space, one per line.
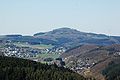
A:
28,17
54,29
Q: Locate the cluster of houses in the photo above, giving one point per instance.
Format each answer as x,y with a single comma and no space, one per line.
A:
11,50
79,65
21,52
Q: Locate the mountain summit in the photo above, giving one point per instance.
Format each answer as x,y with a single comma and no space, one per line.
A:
65,37
68,37
60,31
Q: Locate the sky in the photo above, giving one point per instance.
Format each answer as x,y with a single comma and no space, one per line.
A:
27,17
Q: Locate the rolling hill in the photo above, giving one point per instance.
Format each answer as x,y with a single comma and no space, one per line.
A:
94,56
70,37
65,37
84,51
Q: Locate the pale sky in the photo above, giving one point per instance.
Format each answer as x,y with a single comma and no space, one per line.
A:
30,16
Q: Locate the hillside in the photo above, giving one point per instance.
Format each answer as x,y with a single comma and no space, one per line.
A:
93,57
70,37
20,69
85,53
64,37
112,71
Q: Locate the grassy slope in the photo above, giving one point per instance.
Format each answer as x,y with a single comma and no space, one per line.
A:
41,46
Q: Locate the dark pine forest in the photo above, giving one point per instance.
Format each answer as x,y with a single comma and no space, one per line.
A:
21,69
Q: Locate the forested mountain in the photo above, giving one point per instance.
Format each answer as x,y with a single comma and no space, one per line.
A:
65,37
71,37
20,69
82,52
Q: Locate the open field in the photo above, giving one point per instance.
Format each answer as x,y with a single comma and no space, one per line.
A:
41,46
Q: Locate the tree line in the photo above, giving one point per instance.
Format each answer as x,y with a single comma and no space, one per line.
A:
21,69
